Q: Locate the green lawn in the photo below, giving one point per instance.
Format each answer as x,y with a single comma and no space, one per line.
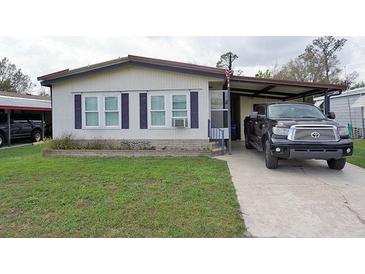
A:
117,197
359,154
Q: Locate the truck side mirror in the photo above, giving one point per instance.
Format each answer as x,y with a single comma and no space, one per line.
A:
331,115
254,115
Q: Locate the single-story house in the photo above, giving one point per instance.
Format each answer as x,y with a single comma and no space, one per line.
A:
16,106
166,103
349,109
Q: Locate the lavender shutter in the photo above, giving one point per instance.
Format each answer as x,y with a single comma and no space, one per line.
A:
125,110
194,109
143,110
78,116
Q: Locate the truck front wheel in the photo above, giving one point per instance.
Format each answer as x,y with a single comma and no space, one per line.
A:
36,135
247,143
1,140
336,163
271,161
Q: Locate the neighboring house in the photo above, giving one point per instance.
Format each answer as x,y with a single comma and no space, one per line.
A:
15,106
166,103
349,109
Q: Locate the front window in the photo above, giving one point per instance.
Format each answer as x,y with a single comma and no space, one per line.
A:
101,111
111,111
158,112
294,111
92,111
179,106
218,109
217,99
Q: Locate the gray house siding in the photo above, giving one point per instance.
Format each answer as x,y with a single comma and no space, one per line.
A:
345,114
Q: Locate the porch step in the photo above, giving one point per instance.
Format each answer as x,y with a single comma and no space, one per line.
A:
215,149
213,145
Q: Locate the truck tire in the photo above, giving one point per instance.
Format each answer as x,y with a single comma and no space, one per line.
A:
2,140
271,162
247,144
336,163
36,135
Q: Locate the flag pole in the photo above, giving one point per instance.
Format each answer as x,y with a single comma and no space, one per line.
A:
229,104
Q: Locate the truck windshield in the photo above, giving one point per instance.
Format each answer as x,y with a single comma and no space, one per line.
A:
294,111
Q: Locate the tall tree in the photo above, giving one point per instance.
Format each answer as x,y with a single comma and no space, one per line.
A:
43,92
264,74
358,85
318,63
13,79
324,49
226,60
350,80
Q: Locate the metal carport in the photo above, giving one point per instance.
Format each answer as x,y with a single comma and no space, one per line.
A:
281,90
11,101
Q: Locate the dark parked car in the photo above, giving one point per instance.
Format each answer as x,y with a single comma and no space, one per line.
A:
21,129
296,130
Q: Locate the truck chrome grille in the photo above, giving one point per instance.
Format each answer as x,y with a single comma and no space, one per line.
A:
313,133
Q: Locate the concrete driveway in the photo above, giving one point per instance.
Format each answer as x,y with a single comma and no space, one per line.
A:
299,199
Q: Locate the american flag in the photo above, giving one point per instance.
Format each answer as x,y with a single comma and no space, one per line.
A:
229,73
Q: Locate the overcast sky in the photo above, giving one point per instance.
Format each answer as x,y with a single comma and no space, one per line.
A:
42,55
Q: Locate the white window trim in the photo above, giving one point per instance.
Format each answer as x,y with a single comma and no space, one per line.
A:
172,106
118,110
149,98
101,110
168,108
187,96
216,109
210,100
84,111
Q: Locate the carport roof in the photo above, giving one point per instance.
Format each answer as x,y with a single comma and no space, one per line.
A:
280,89
248,86
12,100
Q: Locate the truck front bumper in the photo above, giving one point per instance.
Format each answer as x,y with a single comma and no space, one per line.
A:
284,148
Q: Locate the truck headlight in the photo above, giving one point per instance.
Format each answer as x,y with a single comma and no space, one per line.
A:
343,132
284,131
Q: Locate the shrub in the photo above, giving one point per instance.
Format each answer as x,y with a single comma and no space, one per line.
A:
67,142
136,145
62,143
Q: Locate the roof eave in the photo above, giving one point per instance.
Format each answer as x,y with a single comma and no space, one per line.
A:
48,79
288,83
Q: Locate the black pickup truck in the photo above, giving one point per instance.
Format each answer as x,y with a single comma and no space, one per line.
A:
296,131
20,129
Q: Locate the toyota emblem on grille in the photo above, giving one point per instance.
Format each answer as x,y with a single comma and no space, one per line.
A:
315,134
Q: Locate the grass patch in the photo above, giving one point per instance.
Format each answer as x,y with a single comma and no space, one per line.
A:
116,197
358,158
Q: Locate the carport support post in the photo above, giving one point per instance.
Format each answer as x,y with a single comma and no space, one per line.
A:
42,125
362,122
9,127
